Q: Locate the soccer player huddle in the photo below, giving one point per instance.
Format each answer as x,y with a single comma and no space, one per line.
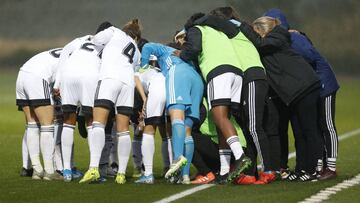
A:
221,95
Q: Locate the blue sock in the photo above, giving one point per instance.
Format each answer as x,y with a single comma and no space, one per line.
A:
189,152
178,137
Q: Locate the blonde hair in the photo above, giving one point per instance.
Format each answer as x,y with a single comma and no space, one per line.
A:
133,29
265,24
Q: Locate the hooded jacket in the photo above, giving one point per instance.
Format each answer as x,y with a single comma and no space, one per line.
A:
303,46
288,73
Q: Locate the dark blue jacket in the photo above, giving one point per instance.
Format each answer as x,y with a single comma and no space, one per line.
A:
303,46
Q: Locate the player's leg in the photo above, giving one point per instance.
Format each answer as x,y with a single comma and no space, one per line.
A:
195,94
271,127
105,96
124,109
58,163
255,96
154,109
67,140
23,102
327,118
165,147
26,169
176,107
177,117
33,142
307,111
188,151
70,95
223,92
137,125
40,100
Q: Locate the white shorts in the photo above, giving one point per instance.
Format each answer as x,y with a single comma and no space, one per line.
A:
76,91
32,90
114,93
225,90
156,100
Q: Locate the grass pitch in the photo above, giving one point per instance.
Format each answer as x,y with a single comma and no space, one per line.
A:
17,189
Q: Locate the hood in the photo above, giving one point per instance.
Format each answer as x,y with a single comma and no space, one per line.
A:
276,13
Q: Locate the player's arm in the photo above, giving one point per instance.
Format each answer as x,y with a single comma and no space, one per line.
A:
139,86
141,91
264,44
219,24
104,36
193,45
150,48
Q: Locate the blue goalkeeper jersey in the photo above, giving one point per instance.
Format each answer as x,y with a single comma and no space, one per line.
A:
164,54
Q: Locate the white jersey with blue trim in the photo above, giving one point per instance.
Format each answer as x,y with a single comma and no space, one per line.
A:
44,64
164,55
120,56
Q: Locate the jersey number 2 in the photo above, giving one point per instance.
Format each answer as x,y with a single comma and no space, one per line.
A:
129,51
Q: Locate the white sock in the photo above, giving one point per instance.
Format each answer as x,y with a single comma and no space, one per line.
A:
33,143
331,163
89,131
225,156
170,151
235,146
67,141
57,158
25,152
124,150
97,143
165,152
147,150
47,147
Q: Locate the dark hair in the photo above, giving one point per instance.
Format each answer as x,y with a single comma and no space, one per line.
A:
226,12
103,26
190,22
133,29
141,43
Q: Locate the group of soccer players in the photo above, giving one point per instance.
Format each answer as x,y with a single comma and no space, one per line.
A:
218,78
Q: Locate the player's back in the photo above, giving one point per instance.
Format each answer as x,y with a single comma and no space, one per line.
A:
43,64
146,74
120,57
86,59
166,58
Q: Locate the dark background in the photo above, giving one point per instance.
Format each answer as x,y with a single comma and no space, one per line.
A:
29,26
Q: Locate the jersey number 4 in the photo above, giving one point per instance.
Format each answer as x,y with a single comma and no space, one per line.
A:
129,51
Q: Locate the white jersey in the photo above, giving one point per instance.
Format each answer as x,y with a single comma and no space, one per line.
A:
66,53
120,56
145,74
85,60
43,65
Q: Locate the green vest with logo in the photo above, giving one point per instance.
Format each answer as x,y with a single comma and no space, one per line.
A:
217,50
246,52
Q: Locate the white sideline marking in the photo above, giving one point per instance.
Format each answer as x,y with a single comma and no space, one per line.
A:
184,193
203,187
327,192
